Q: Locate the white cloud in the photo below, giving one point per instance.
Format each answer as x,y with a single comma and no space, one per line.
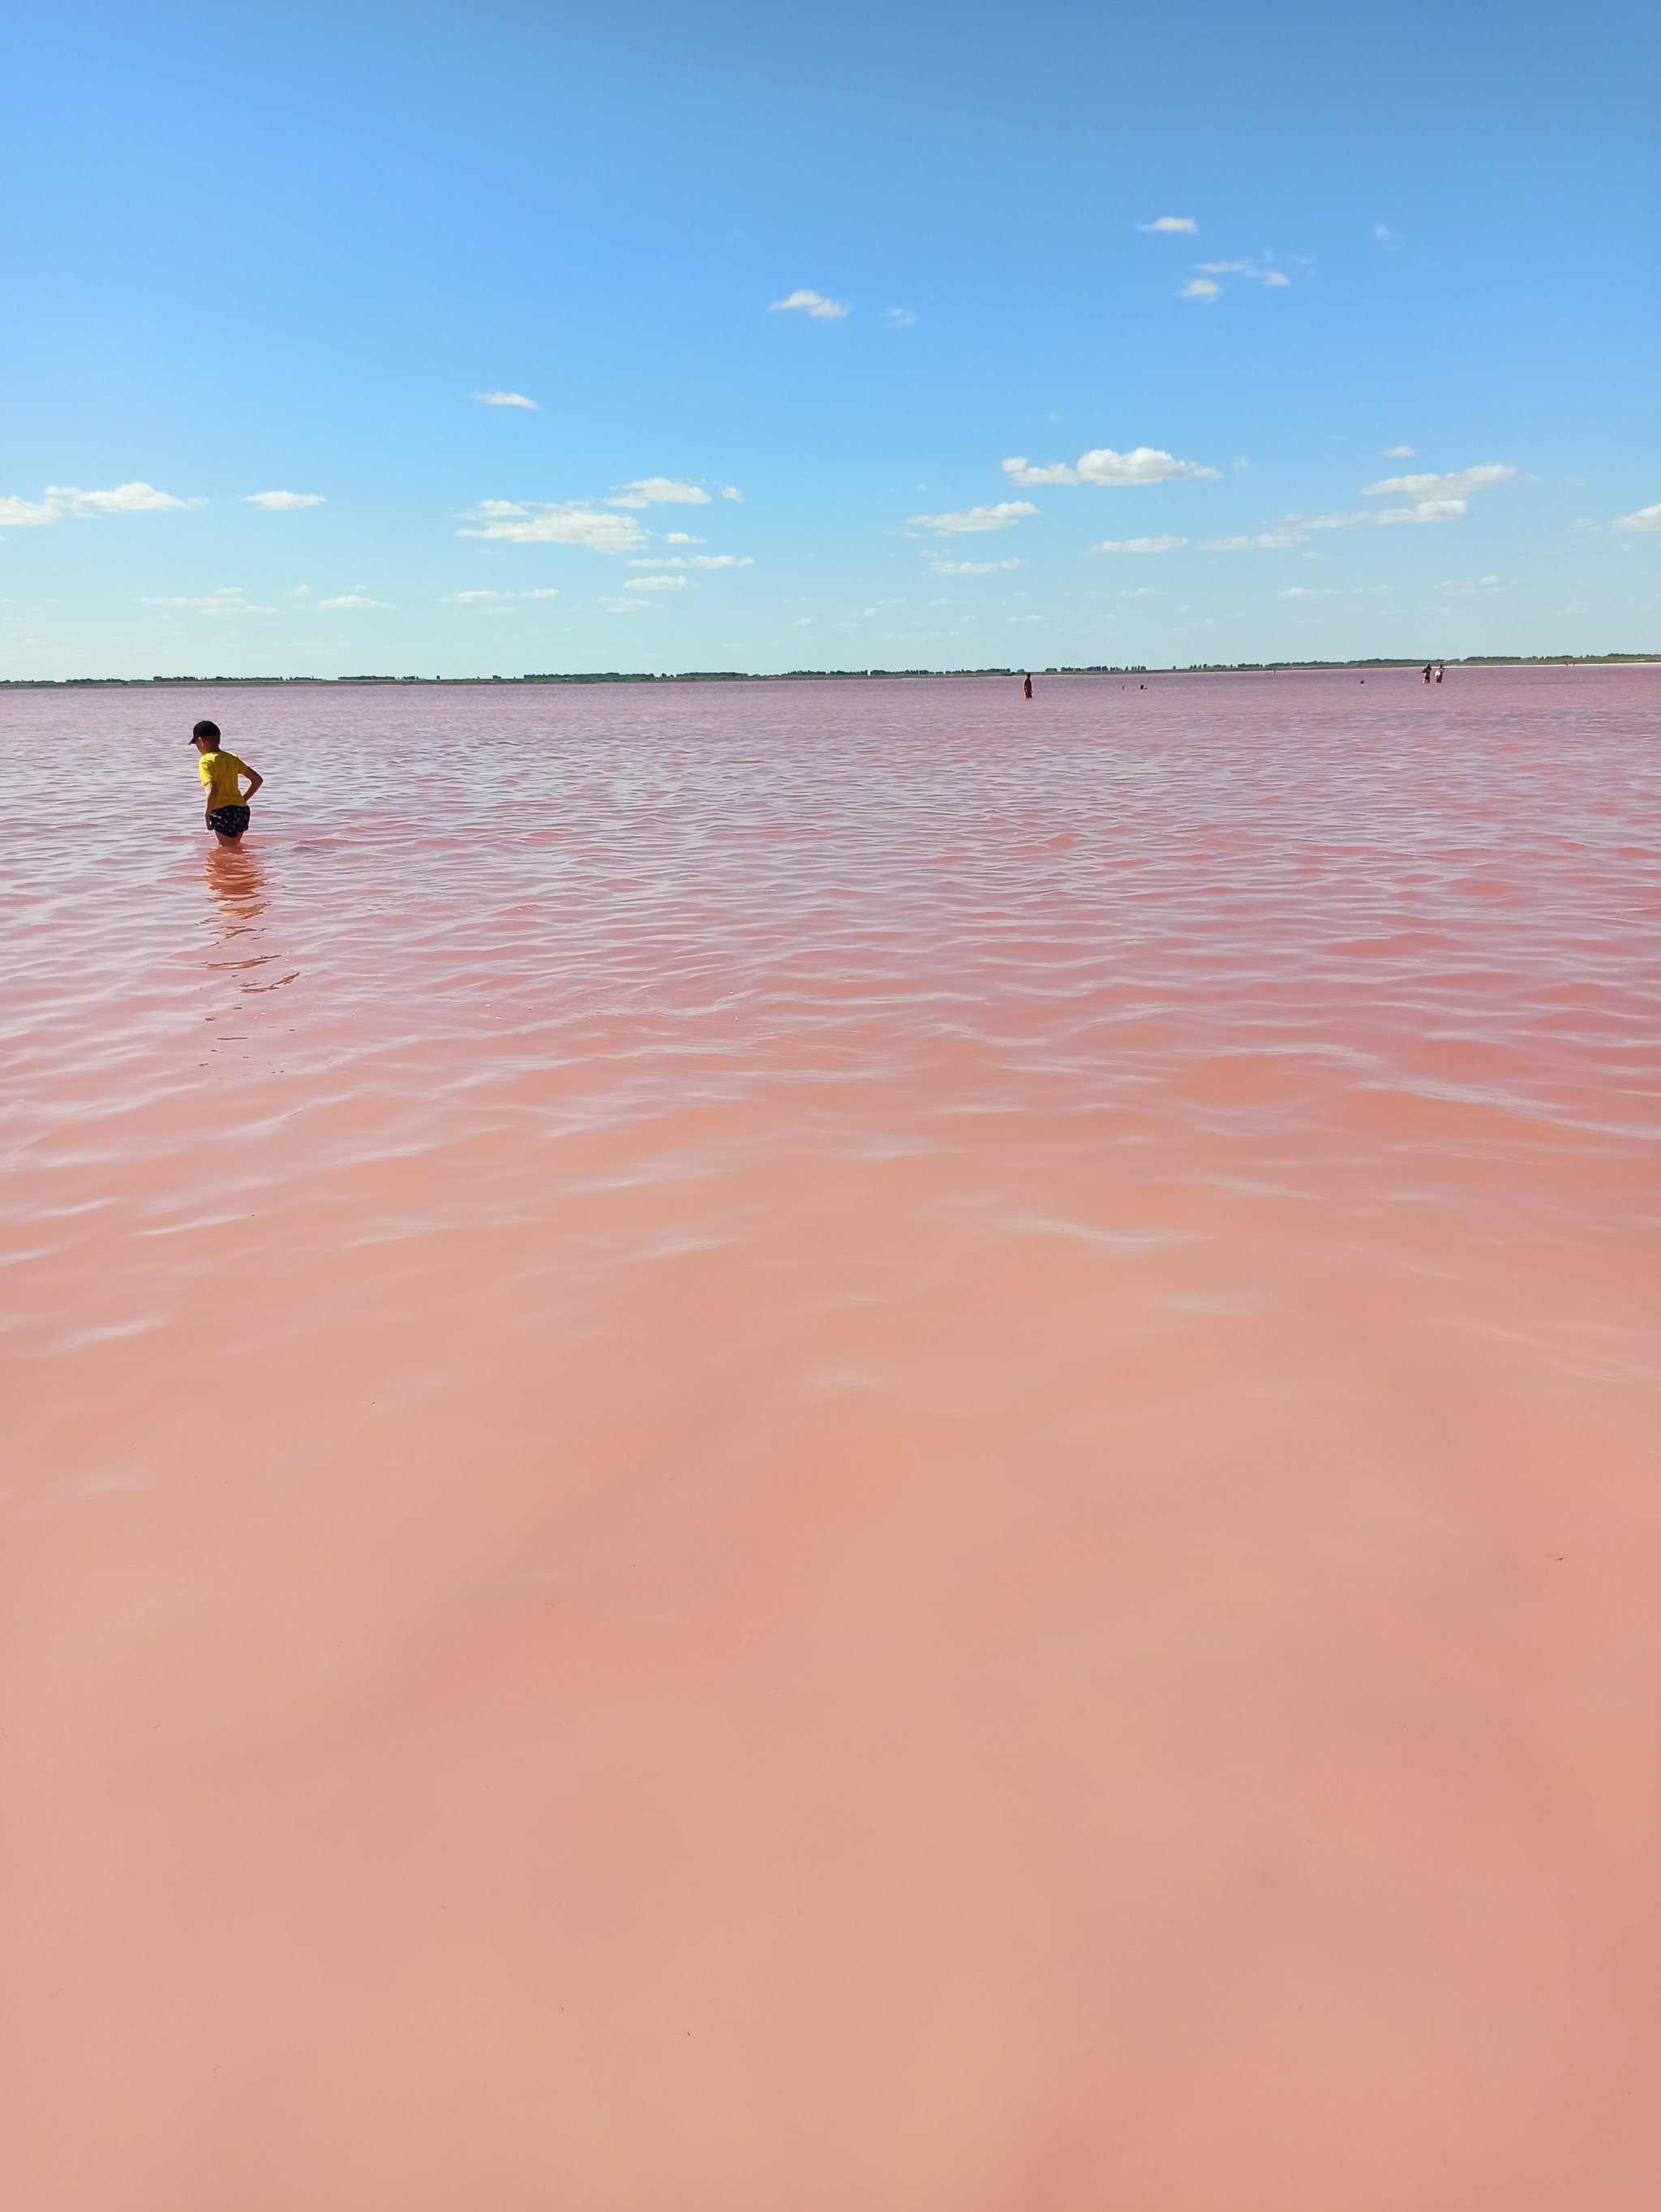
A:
1303,592
1143,464
1425,510
1646,520
659,491
658,584
1199,287
1137,545
899,318
505,400
1004,516
1291,531
1438,498
1171,222
732,492
698,560
1020,470
1460,485
350,601
1267,541
499,599
567,523
67,498
1398,453
227,603
1139,592
1255,270
1435,499
1389,238
680,538
626,606
125,499
811,303
284,502
972,568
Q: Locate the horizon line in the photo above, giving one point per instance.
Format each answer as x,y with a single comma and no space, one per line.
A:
855,675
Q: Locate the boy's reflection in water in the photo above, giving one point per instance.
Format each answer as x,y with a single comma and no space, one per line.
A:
236,880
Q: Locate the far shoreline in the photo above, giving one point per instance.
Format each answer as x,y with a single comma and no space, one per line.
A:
836,675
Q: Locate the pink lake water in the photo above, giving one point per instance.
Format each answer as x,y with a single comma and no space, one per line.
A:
798,1447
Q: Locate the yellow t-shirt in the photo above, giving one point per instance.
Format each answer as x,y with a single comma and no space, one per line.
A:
219,773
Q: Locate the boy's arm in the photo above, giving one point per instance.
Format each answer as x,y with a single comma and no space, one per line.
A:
255,780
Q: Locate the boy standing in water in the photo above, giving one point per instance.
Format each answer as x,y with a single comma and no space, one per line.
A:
227,812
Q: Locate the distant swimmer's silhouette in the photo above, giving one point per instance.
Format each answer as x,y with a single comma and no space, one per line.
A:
1441,670
1026,687
1429,665
226,811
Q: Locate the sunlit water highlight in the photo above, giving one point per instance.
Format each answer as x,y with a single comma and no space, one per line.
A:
787,1448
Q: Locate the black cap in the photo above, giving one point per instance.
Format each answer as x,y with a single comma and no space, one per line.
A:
204,730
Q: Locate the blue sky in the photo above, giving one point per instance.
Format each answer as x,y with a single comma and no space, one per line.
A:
1394,391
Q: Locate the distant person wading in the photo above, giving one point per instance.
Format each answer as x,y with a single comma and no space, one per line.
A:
1026,687
226,811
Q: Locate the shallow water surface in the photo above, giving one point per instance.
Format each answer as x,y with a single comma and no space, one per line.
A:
789,1447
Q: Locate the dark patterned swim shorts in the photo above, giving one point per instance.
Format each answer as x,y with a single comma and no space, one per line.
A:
228,821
